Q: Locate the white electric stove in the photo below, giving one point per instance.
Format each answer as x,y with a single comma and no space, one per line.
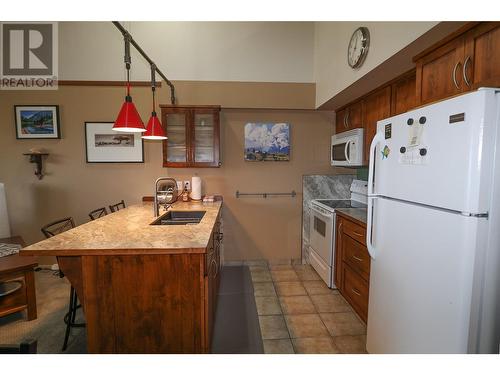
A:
322,237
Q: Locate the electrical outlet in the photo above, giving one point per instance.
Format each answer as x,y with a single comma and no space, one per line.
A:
187,184
179,186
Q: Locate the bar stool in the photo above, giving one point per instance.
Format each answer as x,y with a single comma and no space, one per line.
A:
117,207
97,213
51,230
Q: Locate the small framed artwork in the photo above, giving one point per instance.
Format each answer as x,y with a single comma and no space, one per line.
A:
37,122
104,145
267,142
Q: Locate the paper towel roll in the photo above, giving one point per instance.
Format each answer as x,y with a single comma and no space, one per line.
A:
196,188
4,218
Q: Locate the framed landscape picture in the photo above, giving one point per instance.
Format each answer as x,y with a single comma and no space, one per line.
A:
37,122
104,145
267,142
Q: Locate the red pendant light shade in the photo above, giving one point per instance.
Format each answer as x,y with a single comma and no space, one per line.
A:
128,119
154,130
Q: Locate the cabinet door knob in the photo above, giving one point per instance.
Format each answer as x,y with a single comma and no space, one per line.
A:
464,71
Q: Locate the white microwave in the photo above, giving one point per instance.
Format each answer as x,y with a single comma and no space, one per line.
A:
347,148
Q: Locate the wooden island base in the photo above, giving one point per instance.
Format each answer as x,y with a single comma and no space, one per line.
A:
142,303
143,288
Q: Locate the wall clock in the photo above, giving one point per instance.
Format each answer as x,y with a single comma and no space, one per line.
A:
358,47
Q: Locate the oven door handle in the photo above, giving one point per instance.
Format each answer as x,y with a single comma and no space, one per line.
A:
347,145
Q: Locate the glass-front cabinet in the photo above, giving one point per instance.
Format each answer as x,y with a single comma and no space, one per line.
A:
193,136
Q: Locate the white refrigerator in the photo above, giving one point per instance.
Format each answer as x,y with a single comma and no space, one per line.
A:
433,228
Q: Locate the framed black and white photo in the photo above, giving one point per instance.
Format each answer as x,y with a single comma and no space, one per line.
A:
104,145
37,122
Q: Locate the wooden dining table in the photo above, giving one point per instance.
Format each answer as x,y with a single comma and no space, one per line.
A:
14,267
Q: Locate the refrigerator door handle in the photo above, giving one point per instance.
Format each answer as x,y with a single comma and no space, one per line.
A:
371,165
369,225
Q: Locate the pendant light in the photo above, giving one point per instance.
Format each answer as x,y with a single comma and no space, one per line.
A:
154,130
128,119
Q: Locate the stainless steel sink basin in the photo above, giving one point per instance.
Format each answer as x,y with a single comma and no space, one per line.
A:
179,218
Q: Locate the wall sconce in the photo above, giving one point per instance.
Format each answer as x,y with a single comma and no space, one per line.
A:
36,157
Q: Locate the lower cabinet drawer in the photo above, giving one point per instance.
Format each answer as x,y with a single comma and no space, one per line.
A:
356,255
356,231
355,290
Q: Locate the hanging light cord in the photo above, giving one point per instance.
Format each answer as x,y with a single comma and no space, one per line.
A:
128,61
153,87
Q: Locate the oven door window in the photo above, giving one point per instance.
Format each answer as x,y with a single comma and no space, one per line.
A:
338,152
319,226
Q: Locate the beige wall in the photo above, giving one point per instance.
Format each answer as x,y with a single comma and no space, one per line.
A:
254,228
332,74
201,51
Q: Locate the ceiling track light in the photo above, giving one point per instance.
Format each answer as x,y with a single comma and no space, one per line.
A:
128,119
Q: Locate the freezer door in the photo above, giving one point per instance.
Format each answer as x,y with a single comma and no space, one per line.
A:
440,155
421,280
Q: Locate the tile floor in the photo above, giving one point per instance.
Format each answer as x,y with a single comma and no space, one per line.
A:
299,314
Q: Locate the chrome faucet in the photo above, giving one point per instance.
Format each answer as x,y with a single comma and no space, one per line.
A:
165,194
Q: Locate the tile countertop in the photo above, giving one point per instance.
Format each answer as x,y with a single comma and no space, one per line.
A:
128,232
356,214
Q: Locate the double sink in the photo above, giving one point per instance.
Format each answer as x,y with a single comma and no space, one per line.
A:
180,218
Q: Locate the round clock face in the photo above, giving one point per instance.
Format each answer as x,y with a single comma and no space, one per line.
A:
358,47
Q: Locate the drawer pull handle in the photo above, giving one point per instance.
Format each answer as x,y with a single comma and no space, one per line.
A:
358,234
356,292
357,258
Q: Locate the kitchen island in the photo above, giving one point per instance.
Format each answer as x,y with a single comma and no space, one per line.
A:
144,288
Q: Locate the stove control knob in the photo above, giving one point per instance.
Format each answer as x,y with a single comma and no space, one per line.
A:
402,149
423,151
410,121
422,120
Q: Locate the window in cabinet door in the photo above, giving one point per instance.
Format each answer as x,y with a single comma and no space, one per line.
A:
176,143
204,138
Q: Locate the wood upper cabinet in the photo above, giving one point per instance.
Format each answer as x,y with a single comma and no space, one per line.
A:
193,136
482,56
467,62
439,74
376,106
403,94
350,117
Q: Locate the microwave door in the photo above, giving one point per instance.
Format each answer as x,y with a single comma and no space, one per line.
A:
339,152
